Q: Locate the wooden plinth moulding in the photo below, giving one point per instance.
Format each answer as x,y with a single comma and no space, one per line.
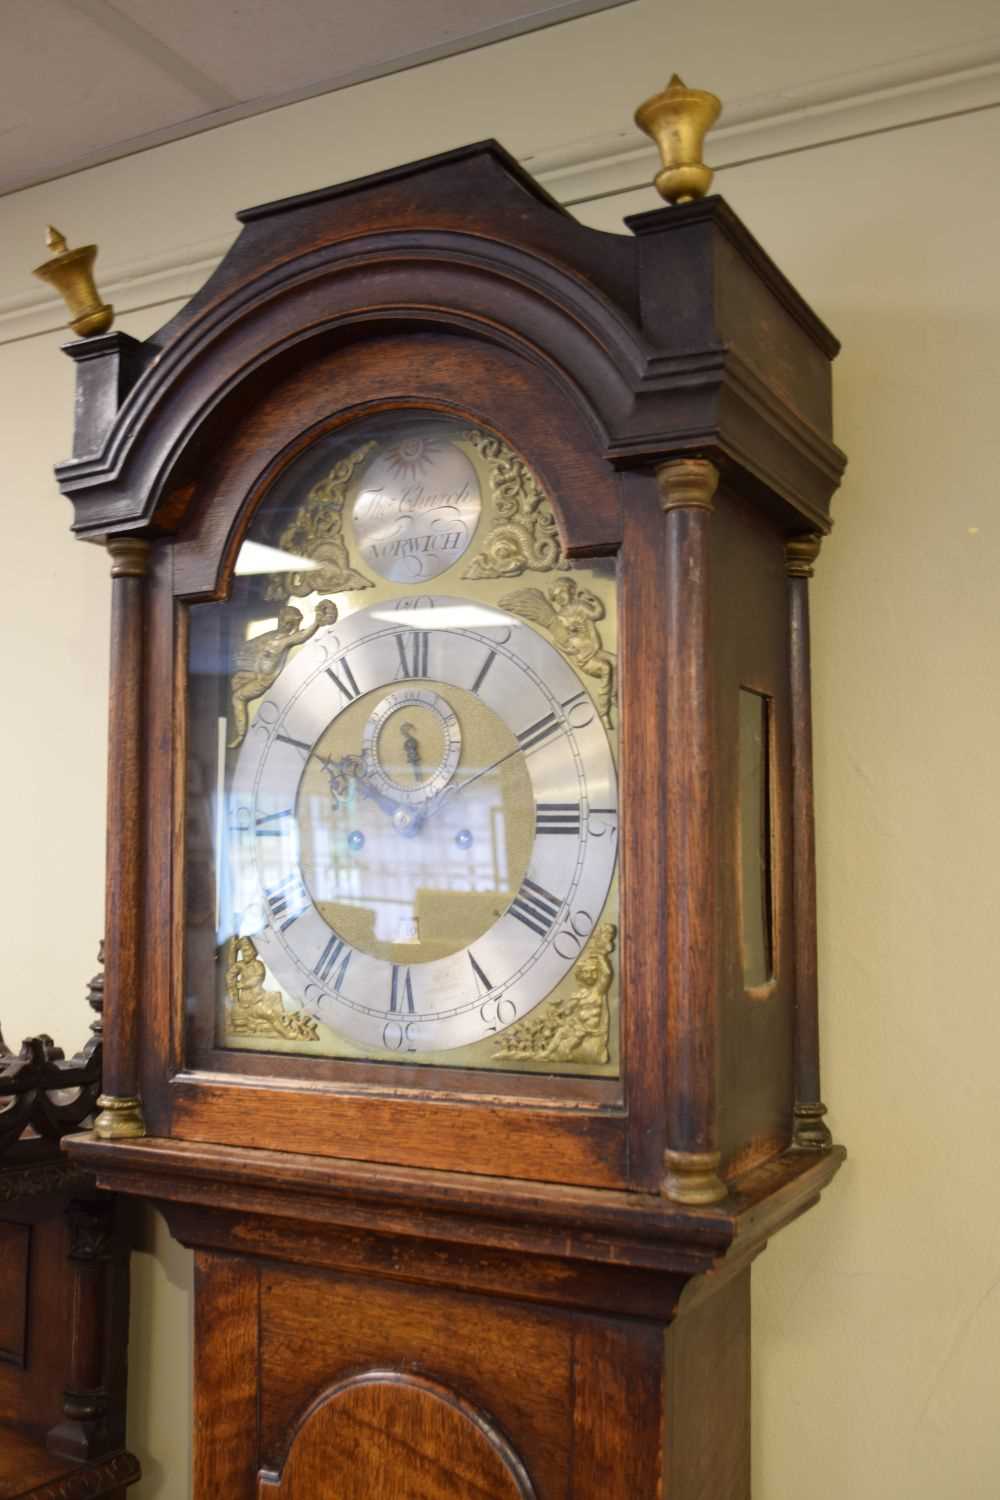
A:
809,1131
687,488
120,1110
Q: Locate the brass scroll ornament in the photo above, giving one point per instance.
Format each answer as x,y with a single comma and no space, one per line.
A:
317,533
524,534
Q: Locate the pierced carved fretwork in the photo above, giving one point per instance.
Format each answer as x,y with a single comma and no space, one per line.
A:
43,1091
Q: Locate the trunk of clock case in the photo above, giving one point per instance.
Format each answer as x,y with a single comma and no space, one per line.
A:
587,1404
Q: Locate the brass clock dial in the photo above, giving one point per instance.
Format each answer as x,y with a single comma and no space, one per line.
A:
402,784
422,814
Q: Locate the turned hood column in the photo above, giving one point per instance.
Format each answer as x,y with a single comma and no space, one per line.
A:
121,1113
687,489
809,1129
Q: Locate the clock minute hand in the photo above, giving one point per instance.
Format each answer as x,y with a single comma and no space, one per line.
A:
457,788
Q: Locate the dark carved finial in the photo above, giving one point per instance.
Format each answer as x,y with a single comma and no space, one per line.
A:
95,994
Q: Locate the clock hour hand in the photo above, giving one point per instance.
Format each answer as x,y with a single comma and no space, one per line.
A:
351,768
340,774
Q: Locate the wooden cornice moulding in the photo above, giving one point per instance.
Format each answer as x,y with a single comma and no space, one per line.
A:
658,366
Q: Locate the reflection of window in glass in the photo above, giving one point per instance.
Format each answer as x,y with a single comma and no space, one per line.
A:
755,837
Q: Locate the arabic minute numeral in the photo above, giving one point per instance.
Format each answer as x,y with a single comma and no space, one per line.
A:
579,710
570,939
602,822
498,1013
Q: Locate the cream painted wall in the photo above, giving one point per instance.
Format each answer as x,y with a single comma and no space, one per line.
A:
877,1317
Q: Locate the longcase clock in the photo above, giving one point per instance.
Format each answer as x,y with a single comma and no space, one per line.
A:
461,983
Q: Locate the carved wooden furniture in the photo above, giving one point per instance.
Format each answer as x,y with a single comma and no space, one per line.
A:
512,1279
63,1287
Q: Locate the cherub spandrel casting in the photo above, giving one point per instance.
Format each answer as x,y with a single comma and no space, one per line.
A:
254,1010
260,660
569,614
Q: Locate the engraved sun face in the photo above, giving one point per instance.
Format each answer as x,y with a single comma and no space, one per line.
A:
413,456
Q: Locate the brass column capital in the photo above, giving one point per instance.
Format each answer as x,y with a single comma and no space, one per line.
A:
129,556
687,483
801,553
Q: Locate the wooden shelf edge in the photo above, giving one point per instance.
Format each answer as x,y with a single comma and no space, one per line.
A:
634,1228
29,1472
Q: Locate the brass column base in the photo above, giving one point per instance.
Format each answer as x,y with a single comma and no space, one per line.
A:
809,1132
119,1119
691,1177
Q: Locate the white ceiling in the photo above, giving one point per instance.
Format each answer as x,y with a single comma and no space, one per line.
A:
84,81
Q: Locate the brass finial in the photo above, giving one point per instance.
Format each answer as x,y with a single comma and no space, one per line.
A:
678,119
71,272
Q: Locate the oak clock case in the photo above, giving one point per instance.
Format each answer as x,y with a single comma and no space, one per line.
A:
462,993
401,757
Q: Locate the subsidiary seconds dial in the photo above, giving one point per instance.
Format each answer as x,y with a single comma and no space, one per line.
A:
424,824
